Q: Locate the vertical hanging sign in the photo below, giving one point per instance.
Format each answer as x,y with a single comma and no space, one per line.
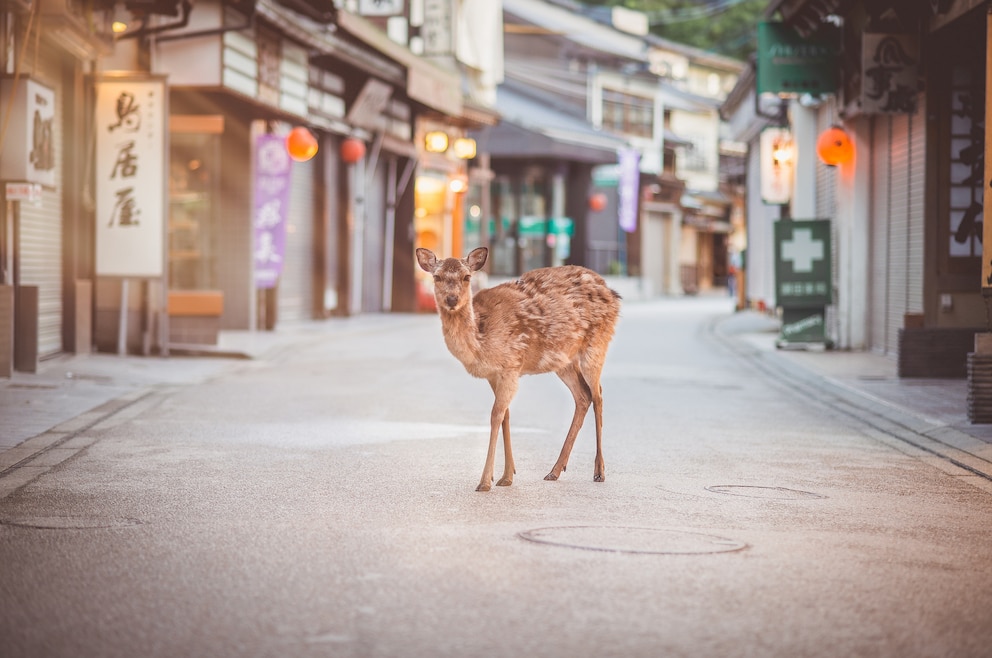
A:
778,167
627,186
131,114
272,177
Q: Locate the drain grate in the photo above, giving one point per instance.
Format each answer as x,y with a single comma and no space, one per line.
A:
622,539
773,493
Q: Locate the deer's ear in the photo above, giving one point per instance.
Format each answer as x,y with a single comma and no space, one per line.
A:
427,260
477,258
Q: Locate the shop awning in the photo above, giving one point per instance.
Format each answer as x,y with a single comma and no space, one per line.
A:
805,15
427,83
532,129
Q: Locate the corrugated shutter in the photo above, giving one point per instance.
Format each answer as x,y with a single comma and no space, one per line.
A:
899,171
375,229
879,233
897,231
760,260
296,282
917,218
40,246
826,208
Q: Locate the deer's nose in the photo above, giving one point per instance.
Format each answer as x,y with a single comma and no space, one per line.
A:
451,300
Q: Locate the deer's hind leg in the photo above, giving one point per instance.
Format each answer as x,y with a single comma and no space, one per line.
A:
581,393
592,369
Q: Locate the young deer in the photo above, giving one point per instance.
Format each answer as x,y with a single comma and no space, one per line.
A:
553,319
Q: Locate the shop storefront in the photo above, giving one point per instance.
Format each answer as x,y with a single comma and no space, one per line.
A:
45,235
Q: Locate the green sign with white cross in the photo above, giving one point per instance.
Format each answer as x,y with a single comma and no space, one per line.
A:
802,263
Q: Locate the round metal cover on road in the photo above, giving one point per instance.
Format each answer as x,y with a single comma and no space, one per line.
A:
68,522
621,539
773,493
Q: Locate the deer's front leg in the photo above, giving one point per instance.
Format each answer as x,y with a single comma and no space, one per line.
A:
504,390
486,483
508,467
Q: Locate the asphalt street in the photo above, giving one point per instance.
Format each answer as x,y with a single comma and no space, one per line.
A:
321,502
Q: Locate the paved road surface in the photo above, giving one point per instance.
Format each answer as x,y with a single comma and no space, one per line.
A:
321,503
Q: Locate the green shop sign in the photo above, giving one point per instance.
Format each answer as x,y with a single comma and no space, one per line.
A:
803,325
790,64
803,285
802,263
529,225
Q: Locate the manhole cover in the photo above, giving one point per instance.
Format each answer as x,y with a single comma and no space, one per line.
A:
68,522
774,493
618,539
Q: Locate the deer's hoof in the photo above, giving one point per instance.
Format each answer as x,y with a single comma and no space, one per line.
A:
551,476
599,477
483,487
504,482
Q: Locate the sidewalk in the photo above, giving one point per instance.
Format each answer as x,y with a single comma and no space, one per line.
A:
927,414
70,393
73,392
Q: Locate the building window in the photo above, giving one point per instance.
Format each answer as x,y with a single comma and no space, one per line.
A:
695,157
628,114
193,188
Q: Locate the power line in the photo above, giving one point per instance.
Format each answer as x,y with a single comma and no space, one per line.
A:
668,16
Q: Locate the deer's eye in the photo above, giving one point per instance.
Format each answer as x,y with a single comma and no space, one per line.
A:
468,277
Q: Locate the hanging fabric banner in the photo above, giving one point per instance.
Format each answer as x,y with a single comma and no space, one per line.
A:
273,168
630,177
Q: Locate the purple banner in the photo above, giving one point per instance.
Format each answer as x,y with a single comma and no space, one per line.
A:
272,172
627,186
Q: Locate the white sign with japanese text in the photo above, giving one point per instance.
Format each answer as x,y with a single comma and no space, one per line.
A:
131,115
29,132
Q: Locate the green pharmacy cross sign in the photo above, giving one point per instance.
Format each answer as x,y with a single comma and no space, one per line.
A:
803,278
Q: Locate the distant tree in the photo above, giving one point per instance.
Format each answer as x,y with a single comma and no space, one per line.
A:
727,27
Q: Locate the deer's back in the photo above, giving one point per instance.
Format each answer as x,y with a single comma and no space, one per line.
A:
546,318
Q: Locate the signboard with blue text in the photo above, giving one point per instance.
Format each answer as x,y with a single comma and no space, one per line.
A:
803,282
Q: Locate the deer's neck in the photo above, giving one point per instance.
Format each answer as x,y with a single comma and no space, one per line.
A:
461,335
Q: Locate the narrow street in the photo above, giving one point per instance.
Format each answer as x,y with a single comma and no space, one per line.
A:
321,502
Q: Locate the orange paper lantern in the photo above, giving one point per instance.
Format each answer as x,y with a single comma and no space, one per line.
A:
597,202
834,146
352,150
301,144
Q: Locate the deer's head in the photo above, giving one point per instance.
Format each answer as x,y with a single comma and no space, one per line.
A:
452,276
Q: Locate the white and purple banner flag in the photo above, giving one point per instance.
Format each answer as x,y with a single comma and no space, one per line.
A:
273,168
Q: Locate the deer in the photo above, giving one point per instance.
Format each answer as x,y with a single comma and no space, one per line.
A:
552,319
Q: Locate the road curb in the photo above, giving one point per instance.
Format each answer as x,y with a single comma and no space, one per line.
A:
927,436
33,457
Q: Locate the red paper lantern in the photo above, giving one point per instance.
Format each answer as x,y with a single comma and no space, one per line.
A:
352,150
834,146
301,144
597,202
